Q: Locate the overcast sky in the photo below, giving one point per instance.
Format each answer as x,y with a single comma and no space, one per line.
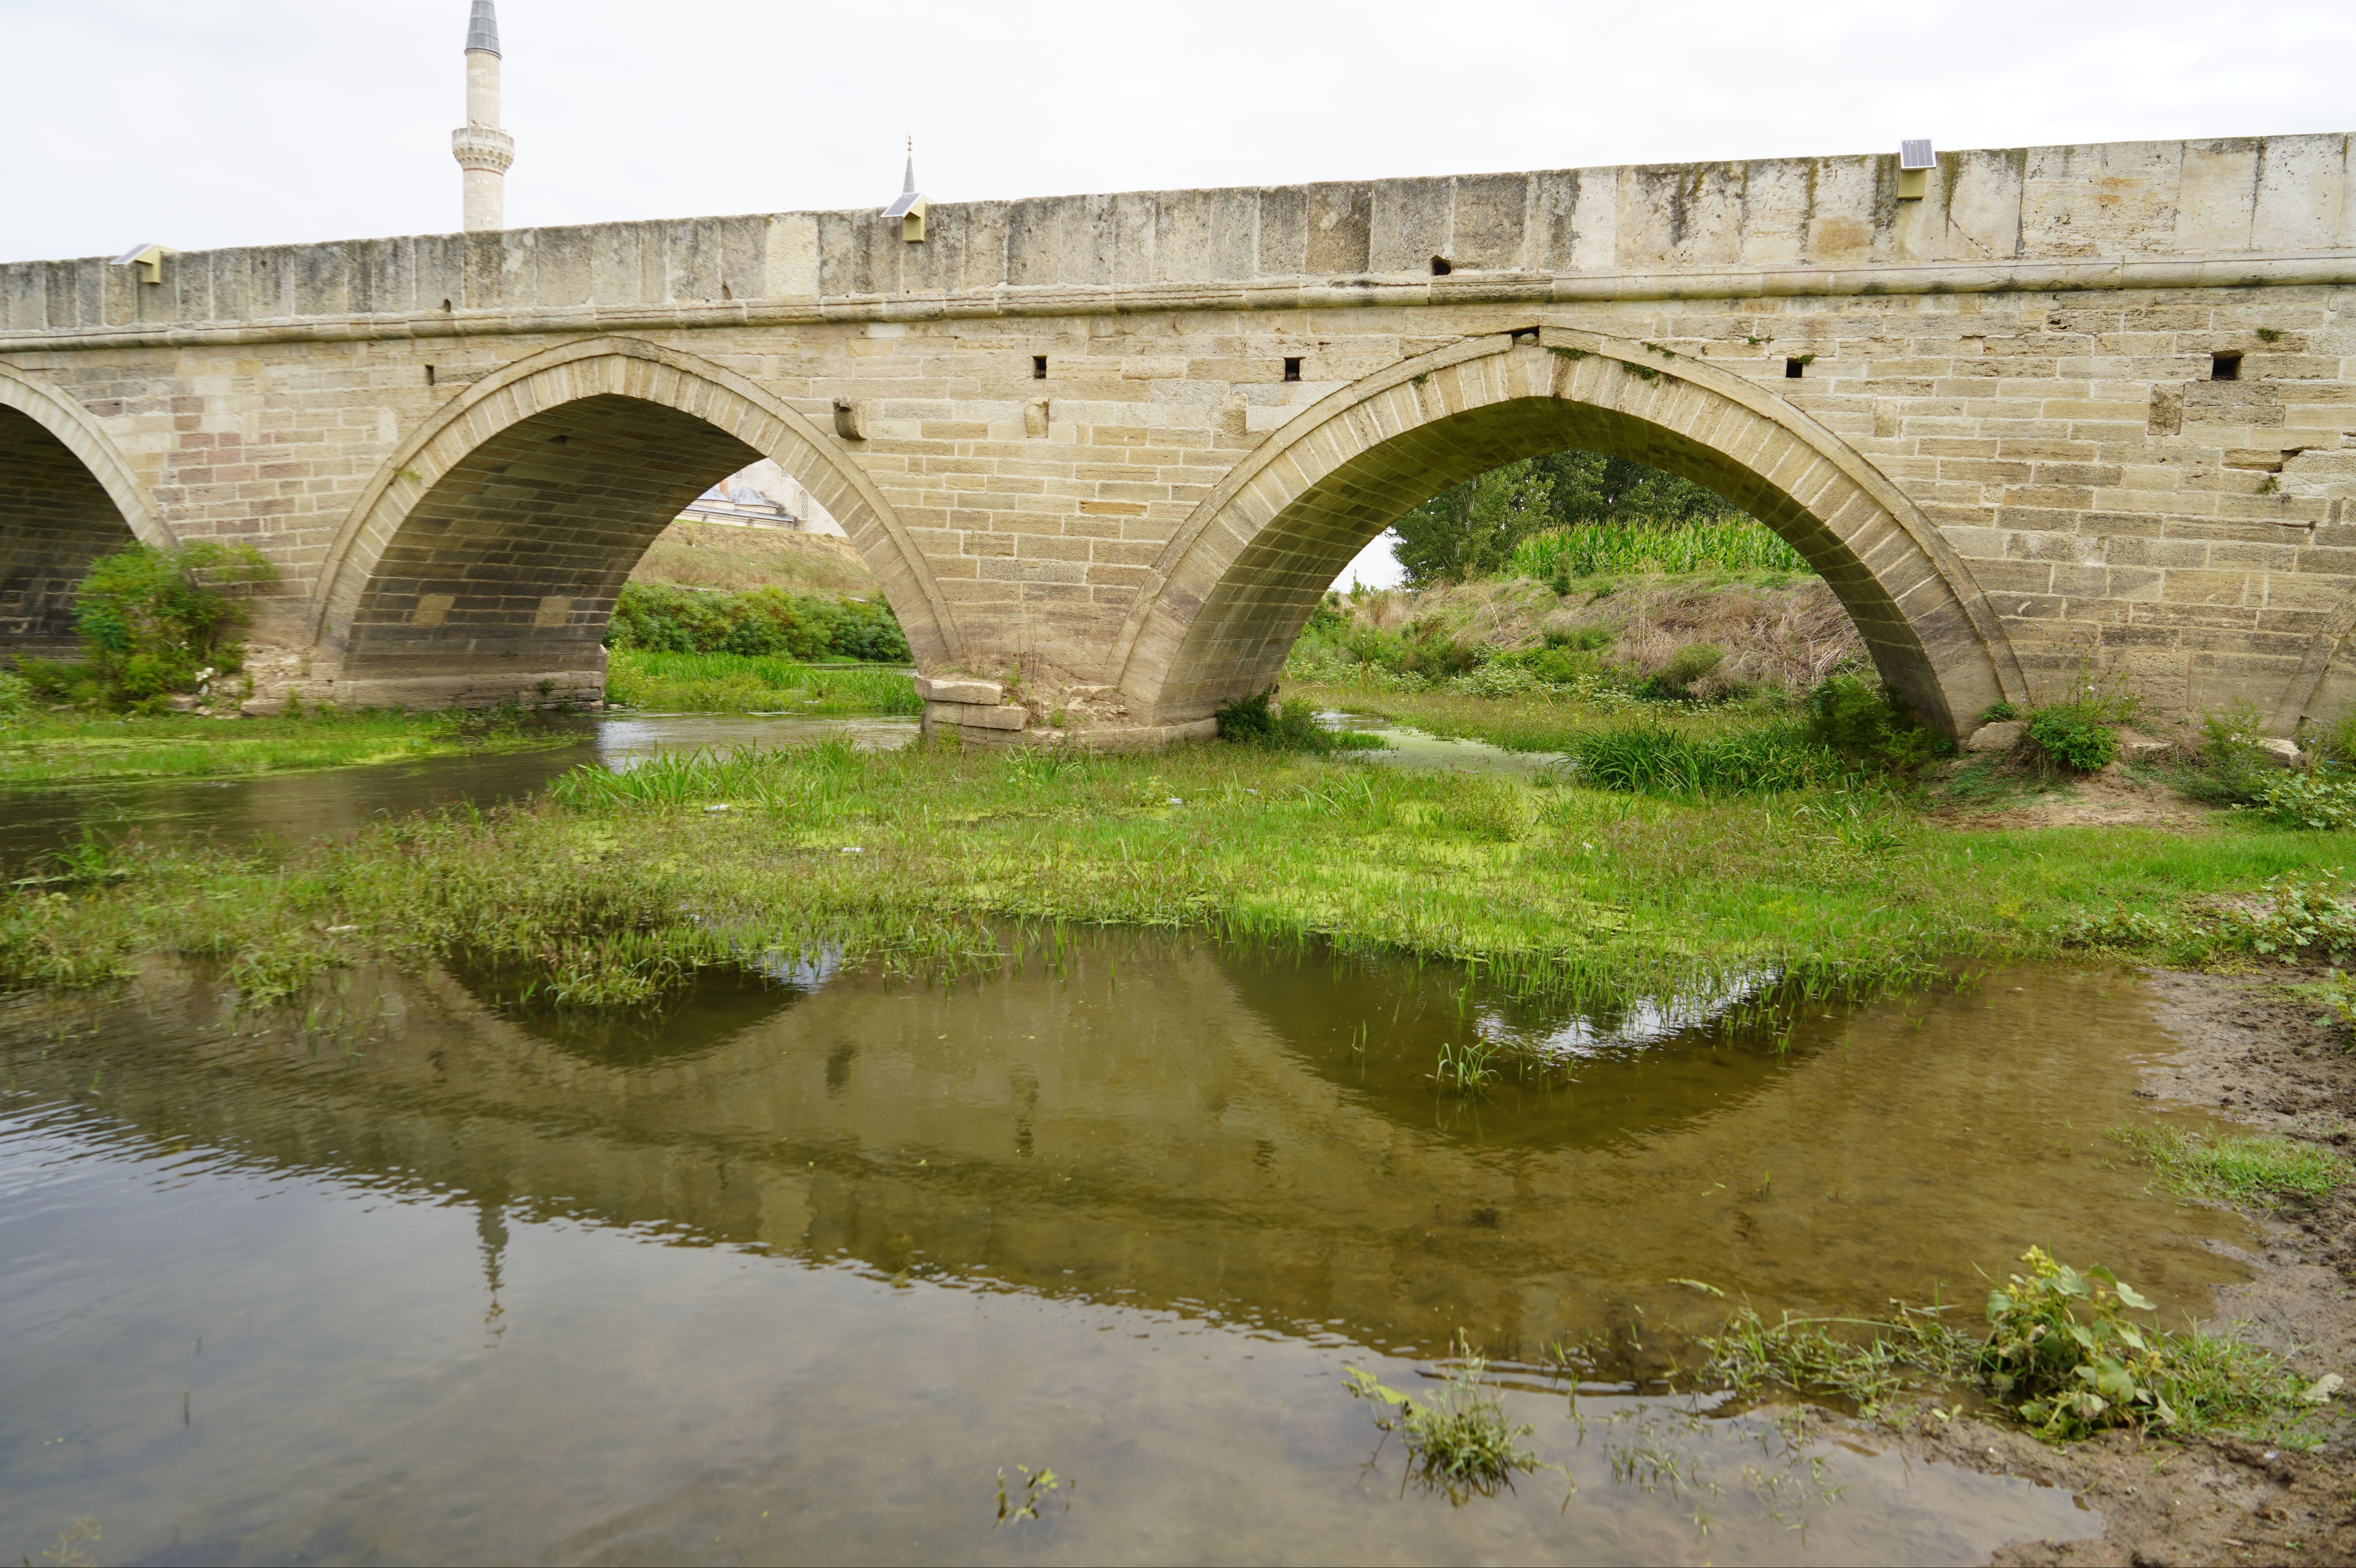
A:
209,122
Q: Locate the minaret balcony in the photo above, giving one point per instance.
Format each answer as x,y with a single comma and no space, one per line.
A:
480,148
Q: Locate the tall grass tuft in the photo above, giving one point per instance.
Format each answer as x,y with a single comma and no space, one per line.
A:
1654,759
2236,1169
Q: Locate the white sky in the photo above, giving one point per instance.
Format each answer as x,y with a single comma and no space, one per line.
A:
250,121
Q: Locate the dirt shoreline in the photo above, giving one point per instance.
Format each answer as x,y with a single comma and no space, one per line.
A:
2249,1050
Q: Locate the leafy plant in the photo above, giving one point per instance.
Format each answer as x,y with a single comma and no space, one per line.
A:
1729,543
2309,800
1034,1483
158,622
2233,771
1461,1440
2065,1355
1685,665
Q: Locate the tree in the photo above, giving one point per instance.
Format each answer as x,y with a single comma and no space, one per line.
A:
1469,530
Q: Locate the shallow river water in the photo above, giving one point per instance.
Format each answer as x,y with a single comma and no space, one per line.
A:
798,1268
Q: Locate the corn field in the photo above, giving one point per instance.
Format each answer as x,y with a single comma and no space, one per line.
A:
1736,544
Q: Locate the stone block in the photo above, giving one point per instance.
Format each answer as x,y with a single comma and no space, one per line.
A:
2000,736
960,689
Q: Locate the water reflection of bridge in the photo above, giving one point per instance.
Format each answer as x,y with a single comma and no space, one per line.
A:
1199,1135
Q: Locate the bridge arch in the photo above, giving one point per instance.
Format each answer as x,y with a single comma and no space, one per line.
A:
1231,591
489,548
66,497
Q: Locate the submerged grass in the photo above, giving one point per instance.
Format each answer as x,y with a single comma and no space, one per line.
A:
2230,1167
82,748
755,683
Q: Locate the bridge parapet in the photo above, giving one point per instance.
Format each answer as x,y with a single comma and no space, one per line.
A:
2259,211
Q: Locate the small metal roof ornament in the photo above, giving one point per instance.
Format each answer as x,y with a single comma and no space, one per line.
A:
911,207
1915,162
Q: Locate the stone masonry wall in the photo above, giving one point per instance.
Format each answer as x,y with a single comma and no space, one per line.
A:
2030,355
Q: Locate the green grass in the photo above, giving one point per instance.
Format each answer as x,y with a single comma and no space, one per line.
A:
1540,720
82,748
2231,1168
741,683
616,886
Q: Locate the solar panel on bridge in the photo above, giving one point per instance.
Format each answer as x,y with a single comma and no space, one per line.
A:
1915,154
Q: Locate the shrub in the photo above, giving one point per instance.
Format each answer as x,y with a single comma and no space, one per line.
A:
2233,771
1426,649
1258,720
659,617
1871,725
2076,736
154,622
16,695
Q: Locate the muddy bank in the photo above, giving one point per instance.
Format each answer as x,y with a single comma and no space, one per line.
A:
2250,1050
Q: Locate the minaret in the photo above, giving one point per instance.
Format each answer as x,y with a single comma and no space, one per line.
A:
482,149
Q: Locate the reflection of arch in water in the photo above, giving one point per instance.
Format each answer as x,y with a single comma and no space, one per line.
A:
66,497
488,550
1605,1094
1231,591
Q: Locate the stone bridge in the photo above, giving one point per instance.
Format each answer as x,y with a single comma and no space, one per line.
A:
2037,410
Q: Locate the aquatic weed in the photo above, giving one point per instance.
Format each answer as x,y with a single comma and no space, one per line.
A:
1459,1440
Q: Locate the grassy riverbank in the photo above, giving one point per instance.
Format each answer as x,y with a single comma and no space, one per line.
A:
740,683
86,748
616,886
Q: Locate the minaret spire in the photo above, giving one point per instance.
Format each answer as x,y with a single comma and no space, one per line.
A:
482,149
